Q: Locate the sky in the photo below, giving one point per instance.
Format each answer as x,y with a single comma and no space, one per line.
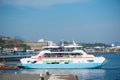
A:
80,20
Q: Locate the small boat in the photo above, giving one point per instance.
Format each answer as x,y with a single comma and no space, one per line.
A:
62,57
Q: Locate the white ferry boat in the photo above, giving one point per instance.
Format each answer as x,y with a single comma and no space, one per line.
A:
62,57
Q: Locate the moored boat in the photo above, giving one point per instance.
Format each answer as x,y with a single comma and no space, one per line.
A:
62,57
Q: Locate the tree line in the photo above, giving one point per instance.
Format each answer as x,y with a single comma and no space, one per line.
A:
7,42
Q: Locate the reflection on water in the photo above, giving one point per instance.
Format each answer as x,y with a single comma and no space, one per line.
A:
91,74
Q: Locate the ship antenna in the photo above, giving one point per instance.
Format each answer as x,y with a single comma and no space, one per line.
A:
50,43
62,43
74,43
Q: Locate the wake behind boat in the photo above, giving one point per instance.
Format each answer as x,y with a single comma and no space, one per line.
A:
62,57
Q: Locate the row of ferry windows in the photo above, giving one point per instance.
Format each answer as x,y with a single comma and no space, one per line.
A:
62,49
61,54
60,62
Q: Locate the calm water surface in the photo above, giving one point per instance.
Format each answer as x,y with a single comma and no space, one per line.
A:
110,71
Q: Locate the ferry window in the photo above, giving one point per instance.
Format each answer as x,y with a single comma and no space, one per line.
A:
66,54
90,60
78,54
77,48
53,55
46,55
55,63
72,54
75,54
34,61
48,62
28,61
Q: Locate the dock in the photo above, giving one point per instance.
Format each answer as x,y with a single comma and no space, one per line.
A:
37,77
62,77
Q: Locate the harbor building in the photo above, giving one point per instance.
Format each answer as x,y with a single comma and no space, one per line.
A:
37,45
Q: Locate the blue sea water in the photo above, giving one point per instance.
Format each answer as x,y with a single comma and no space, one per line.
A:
109,71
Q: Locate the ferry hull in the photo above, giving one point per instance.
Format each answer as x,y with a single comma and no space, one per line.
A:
82,65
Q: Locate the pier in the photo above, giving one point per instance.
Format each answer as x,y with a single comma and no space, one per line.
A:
37,77
62,77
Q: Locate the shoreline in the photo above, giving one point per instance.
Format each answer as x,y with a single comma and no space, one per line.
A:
9,67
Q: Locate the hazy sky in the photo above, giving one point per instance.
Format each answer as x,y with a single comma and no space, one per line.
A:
81,20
